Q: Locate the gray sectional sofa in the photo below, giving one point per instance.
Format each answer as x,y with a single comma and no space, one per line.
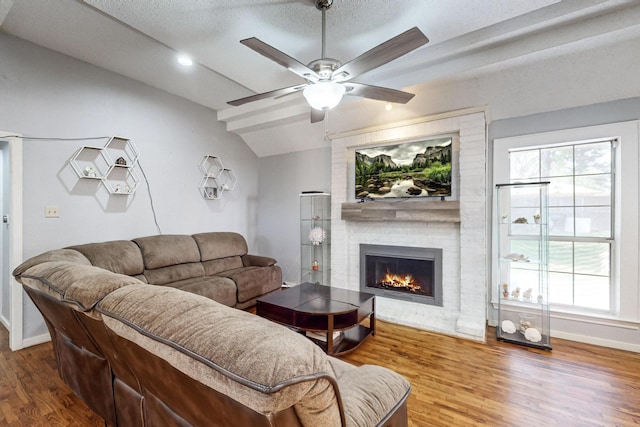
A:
215,265
143,355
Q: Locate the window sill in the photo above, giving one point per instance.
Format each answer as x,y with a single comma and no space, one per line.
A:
592,318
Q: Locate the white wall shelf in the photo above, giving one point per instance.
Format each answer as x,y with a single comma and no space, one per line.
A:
90,162
216,179
123,152
121,180
113,165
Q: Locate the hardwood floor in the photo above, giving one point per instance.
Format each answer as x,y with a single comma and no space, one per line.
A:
455,382
462,383
32,393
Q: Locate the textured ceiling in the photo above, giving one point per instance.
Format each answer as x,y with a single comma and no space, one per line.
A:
211,30
138,38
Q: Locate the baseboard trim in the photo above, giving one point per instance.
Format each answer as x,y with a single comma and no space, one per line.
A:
619,345
5,322
595,341
28,342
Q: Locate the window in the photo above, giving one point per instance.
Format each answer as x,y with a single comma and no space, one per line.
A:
594,200
581,212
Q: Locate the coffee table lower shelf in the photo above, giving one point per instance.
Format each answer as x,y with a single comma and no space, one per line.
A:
348,340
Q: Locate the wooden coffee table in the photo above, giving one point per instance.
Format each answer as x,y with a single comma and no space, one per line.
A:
337,314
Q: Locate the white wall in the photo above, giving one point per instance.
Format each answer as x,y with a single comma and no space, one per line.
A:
45,94
282,179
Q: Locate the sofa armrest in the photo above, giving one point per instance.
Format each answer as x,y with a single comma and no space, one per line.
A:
372,395
257,261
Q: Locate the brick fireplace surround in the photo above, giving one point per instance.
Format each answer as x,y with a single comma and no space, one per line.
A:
463,239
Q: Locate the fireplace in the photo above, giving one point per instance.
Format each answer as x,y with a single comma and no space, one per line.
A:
413,274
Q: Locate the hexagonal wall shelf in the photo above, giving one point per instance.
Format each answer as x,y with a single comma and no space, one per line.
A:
211,166
123,151
90,162
123,181
210,188
216,179
112,164
227,180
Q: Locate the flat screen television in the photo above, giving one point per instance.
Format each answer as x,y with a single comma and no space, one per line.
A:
407,170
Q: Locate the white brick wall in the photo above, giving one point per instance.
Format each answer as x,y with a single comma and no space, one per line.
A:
464,245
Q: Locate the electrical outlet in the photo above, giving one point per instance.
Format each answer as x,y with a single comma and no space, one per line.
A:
51,212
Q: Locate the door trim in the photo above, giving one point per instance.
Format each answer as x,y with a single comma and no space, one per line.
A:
16,340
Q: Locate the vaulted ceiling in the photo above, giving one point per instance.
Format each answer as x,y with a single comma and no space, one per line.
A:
140,38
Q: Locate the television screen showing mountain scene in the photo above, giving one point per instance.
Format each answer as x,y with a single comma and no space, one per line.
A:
411,169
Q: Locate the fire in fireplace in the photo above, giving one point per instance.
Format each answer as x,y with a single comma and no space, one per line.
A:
402,272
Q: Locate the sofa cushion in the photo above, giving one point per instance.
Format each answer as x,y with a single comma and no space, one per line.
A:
253,281
174,273
260,364
219,289
220,245
68,255
80,285
362,407
165,250
119,256
215,266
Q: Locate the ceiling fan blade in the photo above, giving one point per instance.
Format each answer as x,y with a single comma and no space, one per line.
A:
281,58
378,93
392,49
317,115
272,94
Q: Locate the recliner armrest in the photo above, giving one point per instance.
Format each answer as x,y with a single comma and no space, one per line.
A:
257,261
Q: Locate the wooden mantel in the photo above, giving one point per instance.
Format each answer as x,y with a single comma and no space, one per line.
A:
403,210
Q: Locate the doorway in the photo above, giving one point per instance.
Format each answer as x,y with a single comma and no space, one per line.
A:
11,294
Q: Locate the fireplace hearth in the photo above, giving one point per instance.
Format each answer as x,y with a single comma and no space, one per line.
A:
408,273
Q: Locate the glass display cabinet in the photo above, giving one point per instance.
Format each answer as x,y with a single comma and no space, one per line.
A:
522,263
315,237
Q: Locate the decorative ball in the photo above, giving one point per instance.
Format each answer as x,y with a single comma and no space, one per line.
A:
508,327
533,335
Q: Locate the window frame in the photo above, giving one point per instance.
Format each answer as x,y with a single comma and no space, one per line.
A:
609,241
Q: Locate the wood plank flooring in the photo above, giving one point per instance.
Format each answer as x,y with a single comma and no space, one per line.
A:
455,382
32,393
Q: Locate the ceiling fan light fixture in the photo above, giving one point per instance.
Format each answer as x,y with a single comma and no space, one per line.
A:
323,95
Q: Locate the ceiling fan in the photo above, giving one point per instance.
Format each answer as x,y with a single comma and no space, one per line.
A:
327,80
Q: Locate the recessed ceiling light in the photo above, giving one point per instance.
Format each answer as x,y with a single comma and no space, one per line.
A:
388,106
185,60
